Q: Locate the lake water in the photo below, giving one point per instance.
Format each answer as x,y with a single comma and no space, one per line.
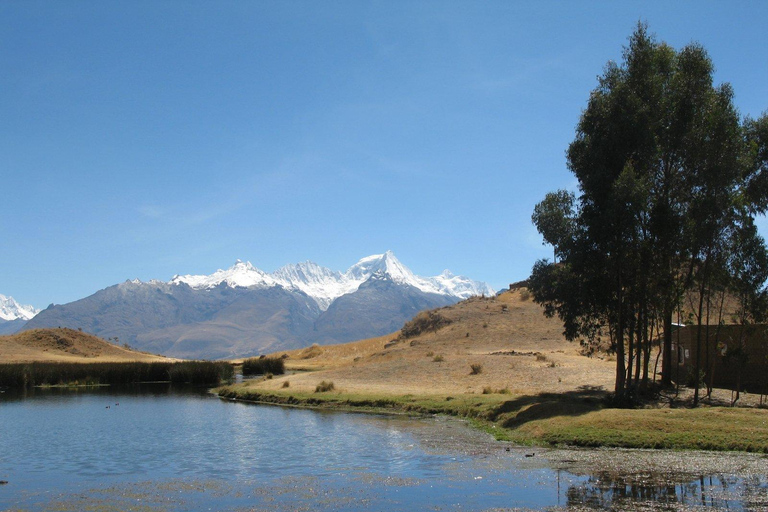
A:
165,449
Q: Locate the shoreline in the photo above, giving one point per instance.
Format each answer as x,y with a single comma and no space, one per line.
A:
549,420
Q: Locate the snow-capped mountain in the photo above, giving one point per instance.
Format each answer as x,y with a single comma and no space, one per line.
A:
244,311
13,315
12,310
325,285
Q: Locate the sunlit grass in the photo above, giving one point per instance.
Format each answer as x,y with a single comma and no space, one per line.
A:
551,419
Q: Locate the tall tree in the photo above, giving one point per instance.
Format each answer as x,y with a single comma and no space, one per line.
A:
665,169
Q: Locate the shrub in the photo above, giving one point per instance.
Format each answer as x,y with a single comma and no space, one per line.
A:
487,390
286,384
263,366
438,358
310,352
430,354
426,321
325,386
525,294
477,368
541,357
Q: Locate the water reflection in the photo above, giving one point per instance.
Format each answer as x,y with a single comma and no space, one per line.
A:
179,448
608,491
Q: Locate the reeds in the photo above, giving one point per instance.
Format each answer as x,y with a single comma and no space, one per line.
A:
263,366
19,375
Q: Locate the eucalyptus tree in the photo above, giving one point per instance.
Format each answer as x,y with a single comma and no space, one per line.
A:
664,171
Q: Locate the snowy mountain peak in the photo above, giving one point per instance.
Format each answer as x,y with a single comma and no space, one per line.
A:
386,263
12,310
325,285
241,274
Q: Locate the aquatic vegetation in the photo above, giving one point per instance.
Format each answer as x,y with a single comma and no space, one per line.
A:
264,366
19,375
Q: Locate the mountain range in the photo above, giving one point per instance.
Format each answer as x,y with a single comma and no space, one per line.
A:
13,315
244,311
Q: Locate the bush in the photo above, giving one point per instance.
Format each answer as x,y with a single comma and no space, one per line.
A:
438,358
541,357
263,366
487,390
286,384
477,369
426,321
325,386
525,294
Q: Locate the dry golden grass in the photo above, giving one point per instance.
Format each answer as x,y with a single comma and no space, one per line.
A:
66,345
533,387
503,334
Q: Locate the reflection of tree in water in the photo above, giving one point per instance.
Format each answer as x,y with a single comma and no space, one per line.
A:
667,492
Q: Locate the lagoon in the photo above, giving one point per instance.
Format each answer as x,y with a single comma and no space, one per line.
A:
168,448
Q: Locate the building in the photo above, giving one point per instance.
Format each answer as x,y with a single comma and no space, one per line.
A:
731,356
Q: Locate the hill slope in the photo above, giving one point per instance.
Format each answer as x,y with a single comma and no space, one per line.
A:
65,345
519,350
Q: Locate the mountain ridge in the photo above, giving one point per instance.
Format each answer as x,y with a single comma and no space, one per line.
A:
325,285
245,311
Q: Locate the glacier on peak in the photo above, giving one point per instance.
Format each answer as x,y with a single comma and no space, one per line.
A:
11,310
325,285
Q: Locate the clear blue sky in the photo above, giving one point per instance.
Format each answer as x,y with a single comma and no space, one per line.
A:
145,139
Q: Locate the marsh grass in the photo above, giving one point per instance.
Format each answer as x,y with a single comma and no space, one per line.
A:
264,366
21,375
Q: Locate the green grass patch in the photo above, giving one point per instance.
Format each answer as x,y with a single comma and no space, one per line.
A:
579,418
705,428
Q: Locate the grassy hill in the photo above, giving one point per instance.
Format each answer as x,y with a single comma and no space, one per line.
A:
512,345
66,345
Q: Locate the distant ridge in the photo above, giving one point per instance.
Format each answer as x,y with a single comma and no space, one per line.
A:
325,285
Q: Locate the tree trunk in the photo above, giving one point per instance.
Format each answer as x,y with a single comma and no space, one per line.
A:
666,362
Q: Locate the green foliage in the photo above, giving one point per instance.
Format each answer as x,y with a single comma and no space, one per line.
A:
554,217
438,358
669,182
263,366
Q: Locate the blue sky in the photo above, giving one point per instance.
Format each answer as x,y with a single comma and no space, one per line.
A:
145,139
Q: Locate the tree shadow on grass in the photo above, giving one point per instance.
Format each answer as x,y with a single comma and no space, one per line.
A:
518,411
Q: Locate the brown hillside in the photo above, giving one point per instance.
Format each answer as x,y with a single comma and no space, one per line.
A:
517,348
65,345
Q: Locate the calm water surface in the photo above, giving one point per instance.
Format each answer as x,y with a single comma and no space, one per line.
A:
159,448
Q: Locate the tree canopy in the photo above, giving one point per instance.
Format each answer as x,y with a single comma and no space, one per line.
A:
670,178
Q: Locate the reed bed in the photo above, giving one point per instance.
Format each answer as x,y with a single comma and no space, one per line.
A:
20,375
264,366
